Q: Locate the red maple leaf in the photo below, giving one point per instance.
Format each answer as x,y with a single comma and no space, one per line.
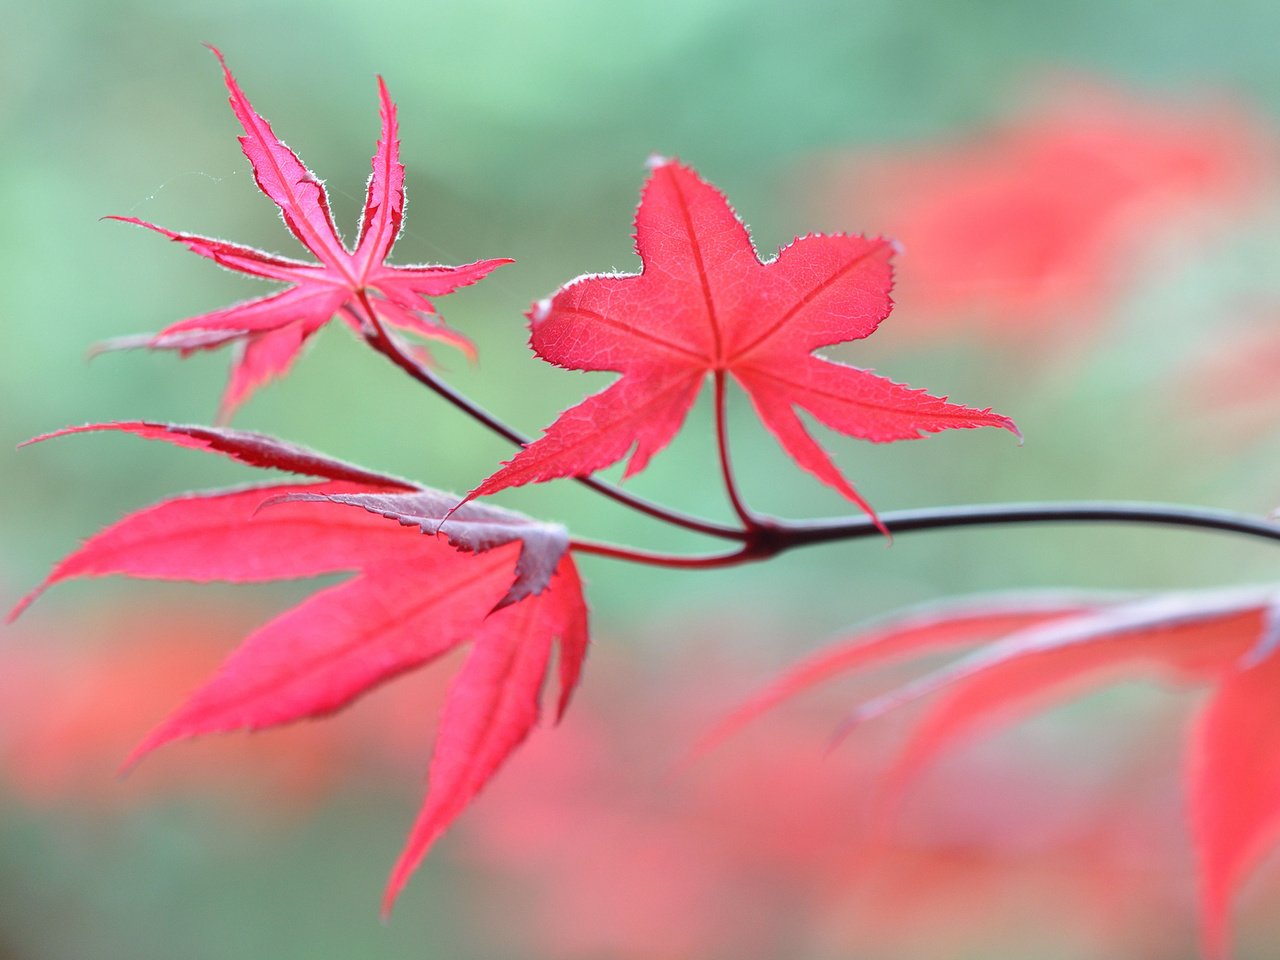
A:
1227,638
706,304
356,284
506,583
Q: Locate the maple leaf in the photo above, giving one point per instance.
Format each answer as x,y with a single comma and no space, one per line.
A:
1227,638
356,285
513,591
706,304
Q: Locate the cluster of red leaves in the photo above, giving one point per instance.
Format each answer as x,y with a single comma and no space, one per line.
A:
430,574
356,285
1049,649
1024,228
767,849
497,579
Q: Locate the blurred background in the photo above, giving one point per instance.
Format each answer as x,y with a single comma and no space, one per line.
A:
1088,202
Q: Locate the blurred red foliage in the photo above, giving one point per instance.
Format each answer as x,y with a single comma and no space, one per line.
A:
1047,651
1023,230
77,697
598,843
1231,384
766,847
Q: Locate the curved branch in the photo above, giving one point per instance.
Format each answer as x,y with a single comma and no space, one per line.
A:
763,537
775,536
706,561
806,532
378,338
749,519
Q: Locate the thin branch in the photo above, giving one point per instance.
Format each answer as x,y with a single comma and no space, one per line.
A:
699,562
806,532
765,536
776,536
380,340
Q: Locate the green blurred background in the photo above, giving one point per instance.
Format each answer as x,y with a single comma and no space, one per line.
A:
525,128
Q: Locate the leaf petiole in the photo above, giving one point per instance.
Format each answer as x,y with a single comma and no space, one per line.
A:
772,536
698,562
749,520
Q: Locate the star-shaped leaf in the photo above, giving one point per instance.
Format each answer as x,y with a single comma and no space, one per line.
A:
356,285
706,305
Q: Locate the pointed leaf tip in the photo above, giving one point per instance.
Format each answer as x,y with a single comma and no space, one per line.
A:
153,741
246,446
217,53
20,607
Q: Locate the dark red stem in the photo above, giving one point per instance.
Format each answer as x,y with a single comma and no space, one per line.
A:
749,520
702,561
381,341
763,537
806,532
773,536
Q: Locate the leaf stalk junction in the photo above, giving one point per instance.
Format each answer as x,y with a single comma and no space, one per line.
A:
760,537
